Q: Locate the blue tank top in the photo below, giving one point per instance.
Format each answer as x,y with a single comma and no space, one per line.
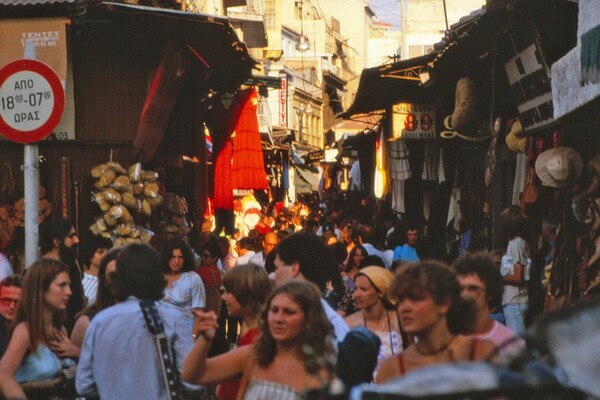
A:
43,364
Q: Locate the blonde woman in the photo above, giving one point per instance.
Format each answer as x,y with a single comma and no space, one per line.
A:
375,311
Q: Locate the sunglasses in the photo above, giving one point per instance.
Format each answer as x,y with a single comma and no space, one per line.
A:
7,301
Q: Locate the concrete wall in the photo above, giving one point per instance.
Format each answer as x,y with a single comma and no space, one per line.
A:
565,74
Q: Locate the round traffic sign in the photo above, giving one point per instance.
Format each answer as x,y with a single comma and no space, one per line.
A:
32,100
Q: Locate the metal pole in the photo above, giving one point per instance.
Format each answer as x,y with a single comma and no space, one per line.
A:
404,30
445,14
32,205
31,181
300,127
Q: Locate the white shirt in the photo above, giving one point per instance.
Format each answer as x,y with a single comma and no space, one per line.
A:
5,267
90,287
258,259
245,259
340,328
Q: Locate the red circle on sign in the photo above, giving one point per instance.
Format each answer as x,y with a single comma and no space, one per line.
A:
58,93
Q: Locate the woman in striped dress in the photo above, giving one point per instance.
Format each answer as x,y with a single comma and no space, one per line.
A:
293,355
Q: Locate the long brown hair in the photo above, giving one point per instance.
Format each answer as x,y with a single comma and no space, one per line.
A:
315,342
31,310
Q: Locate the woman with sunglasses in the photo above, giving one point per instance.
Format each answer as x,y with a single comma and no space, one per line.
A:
431,309
184,289
41,315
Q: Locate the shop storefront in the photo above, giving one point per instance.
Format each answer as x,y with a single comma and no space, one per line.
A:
137,81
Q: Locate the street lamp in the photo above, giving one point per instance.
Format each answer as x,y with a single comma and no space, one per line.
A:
303,43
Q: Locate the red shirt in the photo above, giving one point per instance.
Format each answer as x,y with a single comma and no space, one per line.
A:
211,276
229,388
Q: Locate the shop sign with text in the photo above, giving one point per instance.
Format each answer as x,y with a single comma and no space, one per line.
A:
413,121
45,40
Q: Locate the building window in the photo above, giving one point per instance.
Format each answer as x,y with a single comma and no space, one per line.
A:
418,50
270,14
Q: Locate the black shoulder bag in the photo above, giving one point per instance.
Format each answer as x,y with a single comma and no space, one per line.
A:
156,328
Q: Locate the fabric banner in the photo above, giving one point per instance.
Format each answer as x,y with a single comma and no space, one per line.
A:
43,39
160,102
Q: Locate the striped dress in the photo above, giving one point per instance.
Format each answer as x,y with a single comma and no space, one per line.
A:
266,390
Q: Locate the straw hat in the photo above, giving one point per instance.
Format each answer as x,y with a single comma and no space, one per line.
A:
559,167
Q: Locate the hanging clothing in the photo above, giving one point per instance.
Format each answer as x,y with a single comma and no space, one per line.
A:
221,122
399,166
355,176
380,186
441,174
454,212
364,144
248,166
520,178
398,196
399,173
430,161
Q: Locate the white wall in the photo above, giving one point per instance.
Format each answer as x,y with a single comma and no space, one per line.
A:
565,74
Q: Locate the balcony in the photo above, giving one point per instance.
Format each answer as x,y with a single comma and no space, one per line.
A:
249,22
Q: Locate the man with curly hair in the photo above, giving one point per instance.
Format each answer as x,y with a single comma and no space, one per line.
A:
481,282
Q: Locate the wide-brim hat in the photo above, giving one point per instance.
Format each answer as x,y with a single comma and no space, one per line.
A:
559,167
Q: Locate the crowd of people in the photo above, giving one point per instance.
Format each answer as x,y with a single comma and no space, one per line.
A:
308,299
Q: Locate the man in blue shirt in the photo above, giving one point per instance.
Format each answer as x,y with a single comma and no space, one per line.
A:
407,251
366,238
119,358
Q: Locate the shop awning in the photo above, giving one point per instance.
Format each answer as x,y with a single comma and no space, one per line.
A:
213,40
309,176
382,86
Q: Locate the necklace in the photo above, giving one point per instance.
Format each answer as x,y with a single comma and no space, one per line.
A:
436,351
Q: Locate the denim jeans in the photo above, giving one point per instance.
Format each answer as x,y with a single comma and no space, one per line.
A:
515,317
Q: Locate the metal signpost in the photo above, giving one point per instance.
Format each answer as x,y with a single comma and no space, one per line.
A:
32,101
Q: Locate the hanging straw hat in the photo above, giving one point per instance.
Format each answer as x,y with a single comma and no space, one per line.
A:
559,167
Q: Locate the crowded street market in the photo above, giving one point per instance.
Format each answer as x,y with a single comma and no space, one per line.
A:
299,199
